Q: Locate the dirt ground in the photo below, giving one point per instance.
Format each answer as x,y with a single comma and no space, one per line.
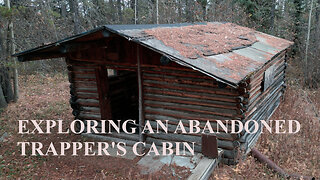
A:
47,97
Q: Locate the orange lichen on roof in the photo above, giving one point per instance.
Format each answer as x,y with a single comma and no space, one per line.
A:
204,40
275,41
237,65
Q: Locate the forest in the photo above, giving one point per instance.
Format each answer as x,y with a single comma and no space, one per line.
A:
26,24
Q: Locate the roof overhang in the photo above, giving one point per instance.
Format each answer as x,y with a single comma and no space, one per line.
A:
59,49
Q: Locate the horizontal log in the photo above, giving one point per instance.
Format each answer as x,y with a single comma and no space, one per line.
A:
200,105
190,88
265,102
88,102
276,58
80,84
83,67
184,115
191,100
278,80
84,116
83,95
158,142
90,109
78,79
250,142
188,138
257,87
191,109
172,126
193,105
178,75
190,84
190,95
265,111
260,97
175,121
226,153
269,103
160,68
198,80
89,76
260,75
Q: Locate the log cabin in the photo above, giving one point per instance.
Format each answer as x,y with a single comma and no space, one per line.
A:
204,71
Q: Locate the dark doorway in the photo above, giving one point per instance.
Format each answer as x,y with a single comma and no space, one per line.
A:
123,89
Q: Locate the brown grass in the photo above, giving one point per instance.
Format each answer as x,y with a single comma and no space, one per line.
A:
47,96
295,153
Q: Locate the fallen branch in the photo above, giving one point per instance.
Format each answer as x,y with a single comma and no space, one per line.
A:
270,164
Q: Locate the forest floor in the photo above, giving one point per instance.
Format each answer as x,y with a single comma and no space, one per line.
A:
47,97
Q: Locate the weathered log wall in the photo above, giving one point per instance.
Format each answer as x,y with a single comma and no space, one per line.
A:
263,102
84,90
175,93
182,94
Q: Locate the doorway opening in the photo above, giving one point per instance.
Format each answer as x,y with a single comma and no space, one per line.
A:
123,89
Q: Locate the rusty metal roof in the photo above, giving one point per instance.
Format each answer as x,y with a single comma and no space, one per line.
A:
229,67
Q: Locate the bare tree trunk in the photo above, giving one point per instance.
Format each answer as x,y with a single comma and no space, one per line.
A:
6,84
48,8
297,26
12,51
135,11
2,43
112,10
204,8
318,25
203,4
6,93
179,11
132,5
272,17
3,102
157,10
63,10
96,11
119,10
188,11
307,46
74,9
